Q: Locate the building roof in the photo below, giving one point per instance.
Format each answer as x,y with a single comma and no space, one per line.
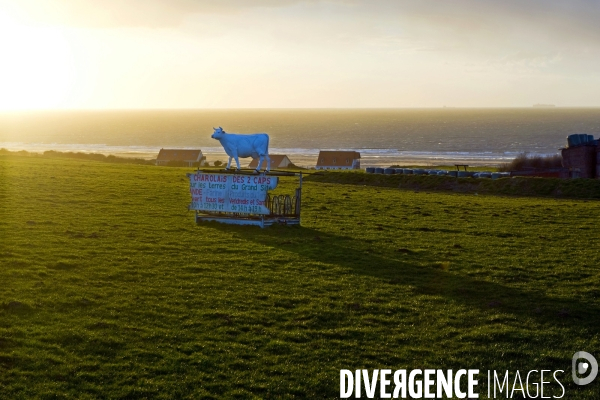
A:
179,155
337,158
276,160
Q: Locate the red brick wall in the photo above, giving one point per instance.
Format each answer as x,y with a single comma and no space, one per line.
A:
582,158
598,162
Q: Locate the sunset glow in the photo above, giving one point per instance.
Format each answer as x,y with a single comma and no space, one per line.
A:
37,71
245,54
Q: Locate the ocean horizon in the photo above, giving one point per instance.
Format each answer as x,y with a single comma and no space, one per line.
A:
483,136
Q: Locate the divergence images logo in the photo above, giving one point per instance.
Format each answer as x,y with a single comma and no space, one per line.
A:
581,367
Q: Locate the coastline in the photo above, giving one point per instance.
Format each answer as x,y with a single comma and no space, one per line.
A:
301,157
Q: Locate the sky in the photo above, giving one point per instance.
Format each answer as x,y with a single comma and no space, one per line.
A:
137,54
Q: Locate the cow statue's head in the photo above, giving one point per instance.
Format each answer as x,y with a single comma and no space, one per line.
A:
218,133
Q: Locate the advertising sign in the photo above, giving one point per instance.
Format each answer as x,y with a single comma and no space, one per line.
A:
230,193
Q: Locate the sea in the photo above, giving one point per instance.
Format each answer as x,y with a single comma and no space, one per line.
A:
441,136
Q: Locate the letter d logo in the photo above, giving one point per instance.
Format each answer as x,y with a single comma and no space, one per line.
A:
583,367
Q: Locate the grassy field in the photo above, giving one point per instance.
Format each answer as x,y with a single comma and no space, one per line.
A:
110,290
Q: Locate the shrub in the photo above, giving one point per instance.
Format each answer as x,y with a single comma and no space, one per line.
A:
294,166
97,157
525,161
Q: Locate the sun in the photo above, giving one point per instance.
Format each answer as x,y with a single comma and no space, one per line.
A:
36,66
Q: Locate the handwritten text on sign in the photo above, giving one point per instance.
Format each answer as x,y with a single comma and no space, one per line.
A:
230,193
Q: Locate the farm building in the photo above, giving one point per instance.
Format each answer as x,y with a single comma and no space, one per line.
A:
277,161
188,158
338,160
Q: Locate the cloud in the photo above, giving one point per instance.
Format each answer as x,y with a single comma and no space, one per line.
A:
485,29
134,13
386,49
569,17
522,22
474,25
531,59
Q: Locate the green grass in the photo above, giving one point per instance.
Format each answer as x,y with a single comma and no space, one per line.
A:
110,290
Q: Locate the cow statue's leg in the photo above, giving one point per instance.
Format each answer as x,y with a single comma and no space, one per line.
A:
228,164
237,162
260,161
268,163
